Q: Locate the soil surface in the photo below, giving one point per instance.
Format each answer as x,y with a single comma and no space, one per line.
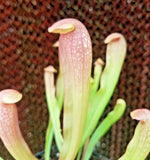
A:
55,155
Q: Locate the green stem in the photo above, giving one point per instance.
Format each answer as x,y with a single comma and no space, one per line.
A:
95,82
79,154
115,55
49,139
53,107
105,125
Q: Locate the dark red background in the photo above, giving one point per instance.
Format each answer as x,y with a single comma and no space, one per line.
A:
26,48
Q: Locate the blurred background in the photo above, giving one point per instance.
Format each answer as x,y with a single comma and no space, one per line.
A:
26,48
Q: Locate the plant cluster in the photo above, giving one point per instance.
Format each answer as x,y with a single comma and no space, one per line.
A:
82,97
